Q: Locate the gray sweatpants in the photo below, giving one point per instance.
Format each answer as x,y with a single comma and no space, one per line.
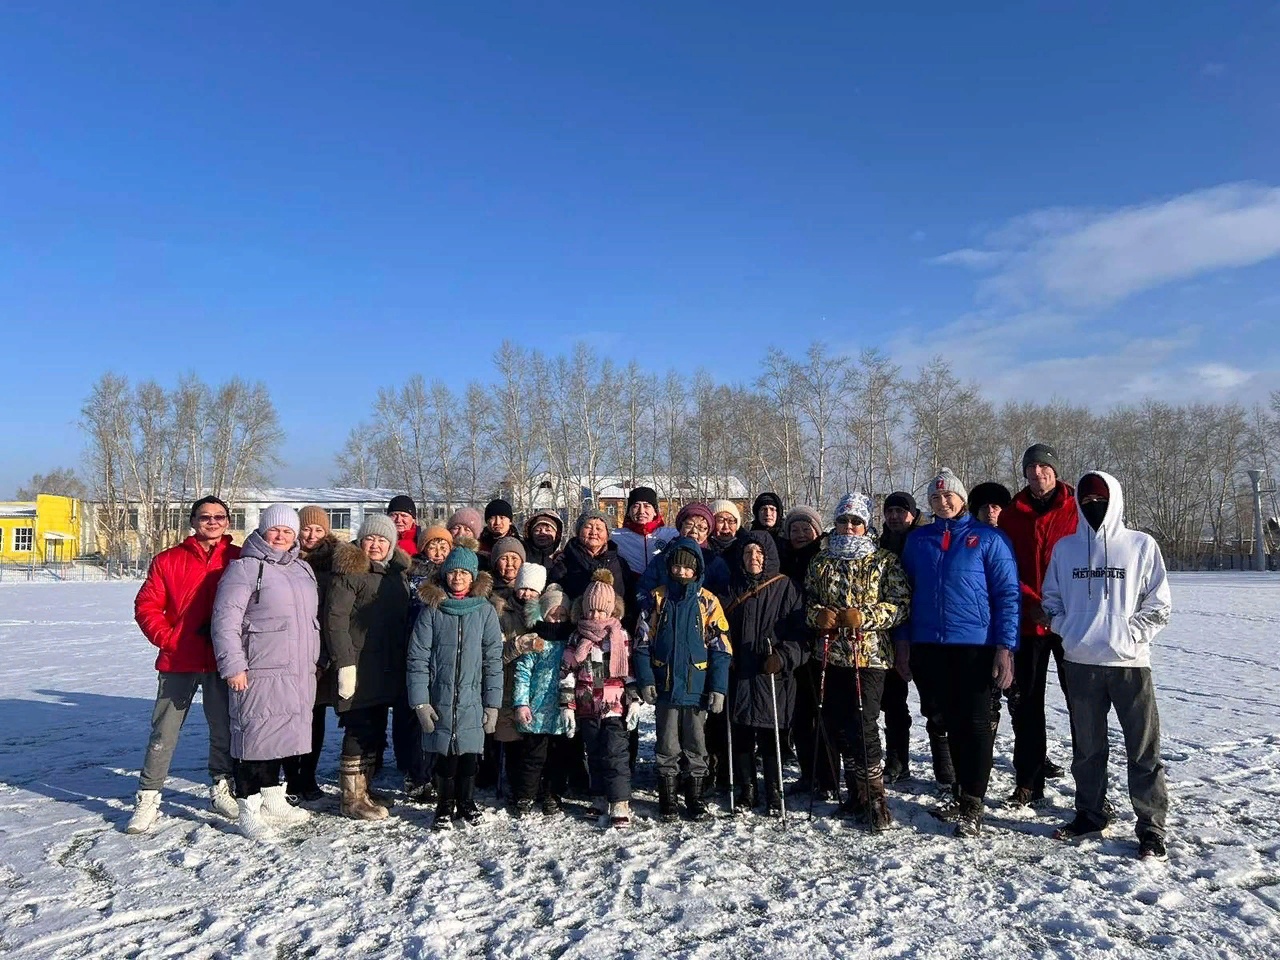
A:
681,736
173,701
1091,693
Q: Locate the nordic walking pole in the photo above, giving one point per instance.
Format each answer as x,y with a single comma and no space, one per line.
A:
728,726
777,740
817,729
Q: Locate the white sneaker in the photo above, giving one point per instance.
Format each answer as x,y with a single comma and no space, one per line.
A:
250,820
222,801
278,811
146,811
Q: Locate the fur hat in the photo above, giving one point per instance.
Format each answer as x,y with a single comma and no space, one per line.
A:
402,504
498,508
696,510
599,597
462,557
642,495
948,482
989,493
532,576
1040,453
805,514
469,517
726,506
586,516
378,525
854,505
280,515
506,545
900,498
312,515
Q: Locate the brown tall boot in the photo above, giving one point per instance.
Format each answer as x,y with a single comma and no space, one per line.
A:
355,792
879,817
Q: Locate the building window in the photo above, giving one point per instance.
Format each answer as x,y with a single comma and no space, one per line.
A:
133,519
24,539
179,519
339,519
437,513
237,520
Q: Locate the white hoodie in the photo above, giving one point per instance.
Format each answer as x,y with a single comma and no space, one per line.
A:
1106,591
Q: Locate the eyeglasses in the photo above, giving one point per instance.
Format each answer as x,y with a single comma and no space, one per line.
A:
211,518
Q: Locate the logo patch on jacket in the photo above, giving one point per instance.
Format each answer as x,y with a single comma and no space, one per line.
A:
971,540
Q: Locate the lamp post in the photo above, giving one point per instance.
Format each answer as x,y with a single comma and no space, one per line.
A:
1259,543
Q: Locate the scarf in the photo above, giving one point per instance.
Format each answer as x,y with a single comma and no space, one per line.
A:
644,529
595,633
457,606
848,546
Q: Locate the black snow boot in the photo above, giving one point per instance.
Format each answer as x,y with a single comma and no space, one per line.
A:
897,765
668,811
944,772
466,810
969,821
746,799
444,805
695,806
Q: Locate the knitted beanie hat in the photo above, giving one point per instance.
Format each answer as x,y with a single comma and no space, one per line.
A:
1040,453
726,506
591,513
642,495
312,515
498,508
461,557
854,505
599,595
279,515
469,517
506,545
948,482
403,504
532,576
806,515
378,525
683,557
551,598
906,501
1092,485
695,510
435,532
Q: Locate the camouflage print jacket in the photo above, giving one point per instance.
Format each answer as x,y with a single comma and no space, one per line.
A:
876,585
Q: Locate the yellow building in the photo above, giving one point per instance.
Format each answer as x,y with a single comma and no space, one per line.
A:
40,531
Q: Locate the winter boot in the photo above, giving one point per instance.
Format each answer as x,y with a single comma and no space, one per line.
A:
222,799
1052,771
746,799
278,811
356,803
620,815
668,811
372,766
467,811
522,808
948,809
1151,846
444,805
855,804
897,765
1081,826
300,780
250,821
146,811
419,792
695,805
944,772
969,820
772,800
1024,797
551,805
878,815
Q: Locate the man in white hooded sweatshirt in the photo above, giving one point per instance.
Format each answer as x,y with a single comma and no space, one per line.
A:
1106,594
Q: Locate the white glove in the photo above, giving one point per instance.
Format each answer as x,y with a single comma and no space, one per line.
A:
570,721
633,714
490,719
716,703
427,717
346,682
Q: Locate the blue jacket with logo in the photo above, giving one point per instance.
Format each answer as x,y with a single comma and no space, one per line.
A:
964,584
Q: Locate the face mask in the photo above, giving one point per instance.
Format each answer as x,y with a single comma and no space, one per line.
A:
1094,511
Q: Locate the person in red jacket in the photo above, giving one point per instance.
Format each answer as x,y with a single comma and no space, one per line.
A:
404,514
174,609
1040,514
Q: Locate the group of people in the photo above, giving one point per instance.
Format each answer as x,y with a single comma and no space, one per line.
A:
521,659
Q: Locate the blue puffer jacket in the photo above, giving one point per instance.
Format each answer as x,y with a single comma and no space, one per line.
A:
964,584
537,686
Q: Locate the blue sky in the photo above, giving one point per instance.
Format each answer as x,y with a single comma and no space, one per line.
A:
1062,201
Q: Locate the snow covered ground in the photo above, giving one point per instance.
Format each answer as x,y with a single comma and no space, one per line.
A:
75,701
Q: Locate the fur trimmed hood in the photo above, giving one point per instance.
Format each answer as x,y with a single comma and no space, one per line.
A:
321,555
350,560
433,593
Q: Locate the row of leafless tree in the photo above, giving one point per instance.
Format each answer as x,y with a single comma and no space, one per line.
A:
808,427
150,445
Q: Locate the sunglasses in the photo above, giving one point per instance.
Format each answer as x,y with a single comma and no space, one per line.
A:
211,518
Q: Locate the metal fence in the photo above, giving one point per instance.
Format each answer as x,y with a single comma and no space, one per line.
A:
77,570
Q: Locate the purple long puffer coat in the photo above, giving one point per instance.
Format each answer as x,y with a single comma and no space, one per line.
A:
264,622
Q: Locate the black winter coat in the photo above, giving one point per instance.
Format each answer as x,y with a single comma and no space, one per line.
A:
364,617
321,562
770,619
574,567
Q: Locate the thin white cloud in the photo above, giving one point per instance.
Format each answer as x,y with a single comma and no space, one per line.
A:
1221,376
1087,258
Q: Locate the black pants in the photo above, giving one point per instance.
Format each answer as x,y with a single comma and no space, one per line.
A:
454,765
564,756
526,761
897,717
748,743
716,732
957,679
364,731
858,737
299,771
822,769
406,741
607,743
252,775
1026,707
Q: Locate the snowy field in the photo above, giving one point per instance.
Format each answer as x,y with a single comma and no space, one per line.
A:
75,700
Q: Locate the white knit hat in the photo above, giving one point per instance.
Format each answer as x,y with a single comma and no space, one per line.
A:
726,506
279,515
948,482
854,505
532,576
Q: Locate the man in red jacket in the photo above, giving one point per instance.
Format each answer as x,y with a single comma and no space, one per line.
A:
1041,514
174,608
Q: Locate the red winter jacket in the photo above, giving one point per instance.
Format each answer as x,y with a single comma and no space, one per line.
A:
175,604
408,541
1033,534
